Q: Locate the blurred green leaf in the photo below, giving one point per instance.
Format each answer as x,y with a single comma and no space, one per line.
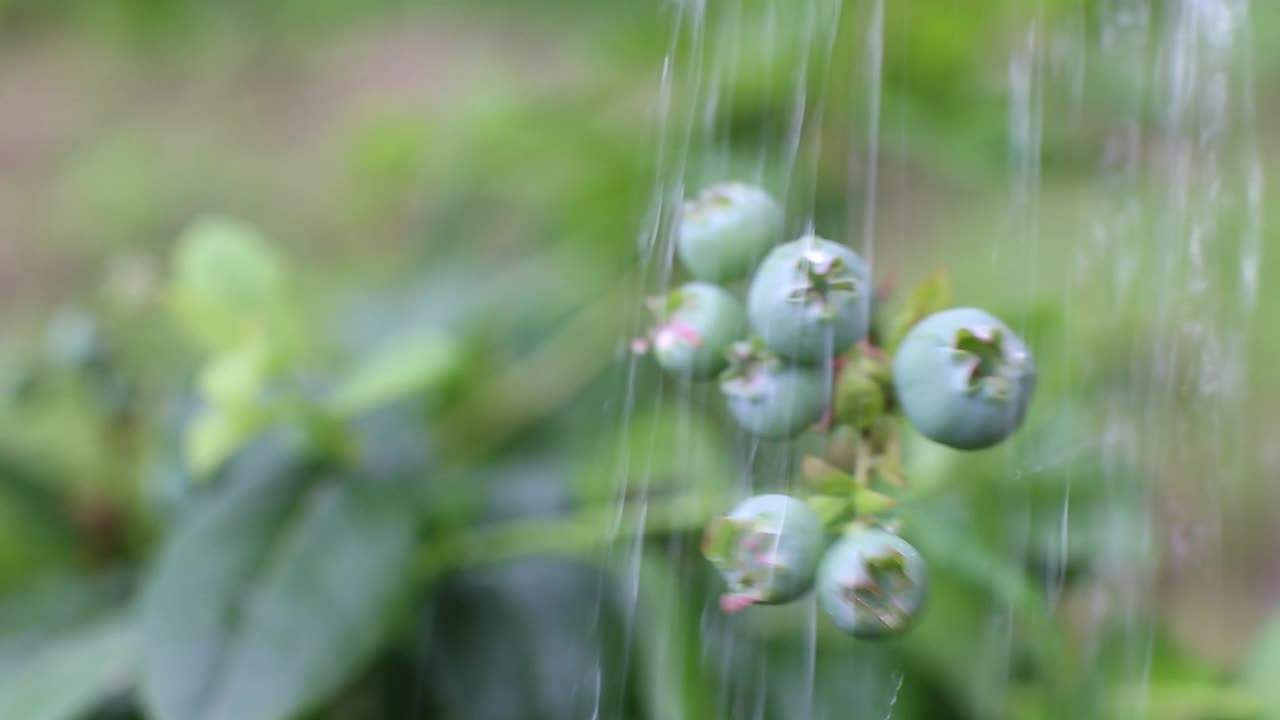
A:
824,477
675,684
236,375
932,295
227,282
231,383
514,641
403,366
830,508
272,594
216,434
869,502
34,495
48,607
71,673
951,543
37,528
662,450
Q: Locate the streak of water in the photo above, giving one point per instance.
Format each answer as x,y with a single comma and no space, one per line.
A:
893,699
1015,259
1178,158
871,171
1112,250
796,115
1213,177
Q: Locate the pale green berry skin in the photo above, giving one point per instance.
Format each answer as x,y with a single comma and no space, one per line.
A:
872,584
777,401
726,229
815,328
702,322
949,394
770,550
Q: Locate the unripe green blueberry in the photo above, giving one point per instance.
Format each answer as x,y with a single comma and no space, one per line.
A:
770,398
872,583
726,229
697,324
766,549
810,300
963,378
860,393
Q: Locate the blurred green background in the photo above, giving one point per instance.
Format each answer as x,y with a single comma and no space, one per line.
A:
315,399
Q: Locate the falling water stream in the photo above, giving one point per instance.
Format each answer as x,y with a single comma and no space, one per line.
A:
1151,259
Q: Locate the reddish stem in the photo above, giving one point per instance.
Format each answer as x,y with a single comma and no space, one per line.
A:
731,603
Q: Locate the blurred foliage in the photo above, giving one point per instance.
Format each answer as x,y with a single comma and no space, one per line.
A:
316,402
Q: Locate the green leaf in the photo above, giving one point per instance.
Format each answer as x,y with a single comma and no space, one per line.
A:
825,477
68,676
830,508
274,592
216,434
231,384
227,282
930,296
236,376
404,366
869,502
37,611
30,492
669,448
675,683
513,641
952,544
1192,701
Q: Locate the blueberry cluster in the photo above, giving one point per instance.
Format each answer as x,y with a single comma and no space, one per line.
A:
804,347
